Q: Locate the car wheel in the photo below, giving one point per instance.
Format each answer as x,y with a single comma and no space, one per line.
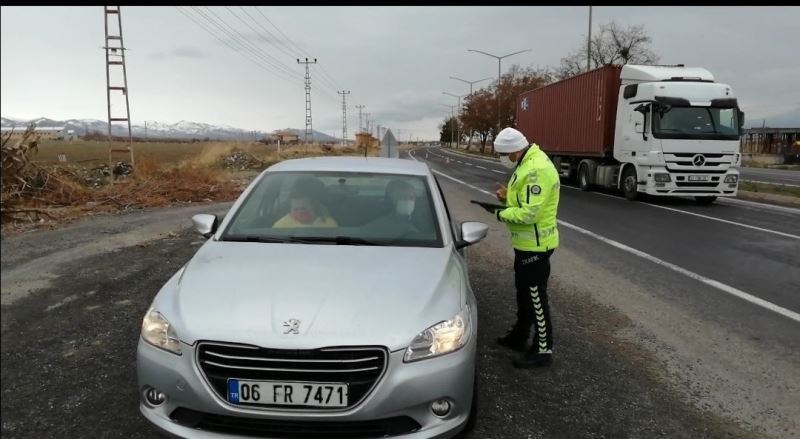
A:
583,178
629,183
705,201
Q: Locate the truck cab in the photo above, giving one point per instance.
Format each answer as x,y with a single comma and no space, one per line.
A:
676,133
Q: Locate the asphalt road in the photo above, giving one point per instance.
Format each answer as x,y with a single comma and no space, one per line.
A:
641,350
776,176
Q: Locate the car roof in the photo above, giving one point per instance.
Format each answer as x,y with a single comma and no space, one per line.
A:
380,165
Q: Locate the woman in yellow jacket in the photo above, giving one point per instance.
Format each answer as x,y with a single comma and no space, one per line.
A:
305,210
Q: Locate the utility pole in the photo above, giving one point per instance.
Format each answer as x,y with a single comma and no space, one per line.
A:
115,56
344,94
145,130
309,129
499,59
360,120
589,42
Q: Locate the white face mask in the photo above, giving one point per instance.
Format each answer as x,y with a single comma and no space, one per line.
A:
405,207
506,161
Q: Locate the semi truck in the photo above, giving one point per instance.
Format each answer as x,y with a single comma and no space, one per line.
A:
657,130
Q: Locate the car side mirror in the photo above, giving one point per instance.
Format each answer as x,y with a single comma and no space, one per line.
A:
471,233
205,224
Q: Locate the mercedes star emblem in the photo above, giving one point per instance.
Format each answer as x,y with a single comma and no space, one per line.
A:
699,160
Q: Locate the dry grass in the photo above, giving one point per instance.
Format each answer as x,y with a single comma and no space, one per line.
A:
165,174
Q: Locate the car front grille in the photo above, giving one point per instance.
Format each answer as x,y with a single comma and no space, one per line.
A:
359,367
257,427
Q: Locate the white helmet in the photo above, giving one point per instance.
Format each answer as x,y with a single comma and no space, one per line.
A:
510,140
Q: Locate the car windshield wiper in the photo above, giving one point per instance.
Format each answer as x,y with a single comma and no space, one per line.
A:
254,238
340,240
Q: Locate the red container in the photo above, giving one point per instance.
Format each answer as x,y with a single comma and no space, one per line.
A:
572,117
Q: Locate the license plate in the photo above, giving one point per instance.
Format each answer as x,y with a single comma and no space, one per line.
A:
698,178
287,393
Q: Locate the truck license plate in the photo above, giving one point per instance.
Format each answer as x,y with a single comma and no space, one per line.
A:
698,178
287,393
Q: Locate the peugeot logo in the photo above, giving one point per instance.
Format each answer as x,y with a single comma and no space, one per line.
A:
524,103
699,160
291,326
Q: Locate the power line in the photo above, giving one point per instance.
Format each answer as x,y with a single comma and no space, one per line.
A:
254,30
299,50
241,51
270,33
266,57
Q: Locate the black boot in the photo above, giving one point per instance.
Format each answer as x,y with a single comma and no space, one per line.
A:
516,339
533,359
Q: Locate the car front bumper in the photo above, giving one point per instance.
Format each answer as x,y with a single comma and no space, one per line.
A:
405,389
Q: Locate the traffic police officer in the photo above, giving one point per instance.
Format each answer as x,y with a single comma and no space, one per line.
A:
531,200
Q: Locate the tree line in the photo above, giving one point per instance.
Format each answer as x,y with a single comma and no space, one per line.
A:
613,45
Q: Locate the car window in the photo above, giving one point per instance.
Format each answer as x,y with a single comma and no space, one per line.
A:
388,209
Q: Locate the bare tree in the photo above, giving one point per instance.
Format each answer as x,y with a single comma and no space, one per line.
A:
613,45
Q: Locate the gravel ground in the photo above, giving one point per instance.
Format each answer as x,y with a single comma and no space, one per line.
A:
69,347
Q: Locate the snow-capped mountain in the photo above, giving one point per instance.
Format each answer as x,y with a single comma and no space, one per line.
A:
180,130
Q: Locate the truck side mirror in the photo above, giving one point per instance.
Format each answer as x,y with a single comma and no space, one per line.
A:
741,118
642,127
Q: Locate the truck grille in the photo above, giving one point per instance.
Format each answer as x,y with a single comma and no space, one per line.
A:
359,367
258,427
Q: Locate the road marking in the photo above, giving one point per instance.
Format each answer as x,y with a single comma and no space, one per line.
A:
761,229
479,167
772,183
495,162
710,282
499,172
757,205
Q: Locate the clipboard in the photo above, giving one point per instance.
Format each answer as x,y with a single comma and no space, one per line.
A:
488,206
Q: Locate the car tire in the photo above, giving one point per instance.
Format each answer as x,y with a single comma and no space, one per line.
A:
629,183
583,178
705,201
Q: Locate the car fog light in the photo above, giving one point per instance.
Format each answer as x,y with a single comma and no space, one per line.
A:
440,407
154,397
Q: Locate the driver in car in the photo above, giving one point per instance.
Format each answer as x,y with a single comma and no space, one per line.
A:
305,209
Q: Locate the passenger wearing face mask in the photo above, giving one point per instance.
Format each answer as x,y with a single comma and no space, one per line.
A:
401,199
531,201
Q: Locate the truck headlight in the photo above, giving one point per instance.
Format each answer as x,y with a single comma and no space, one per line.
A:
662,178
441,338
733,178
157,331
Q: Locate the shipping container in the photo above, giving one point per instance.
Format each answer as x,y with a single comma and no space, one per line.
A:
574,116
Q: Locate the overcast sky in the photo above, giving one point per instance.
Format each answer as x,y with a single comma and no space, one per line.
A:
395,60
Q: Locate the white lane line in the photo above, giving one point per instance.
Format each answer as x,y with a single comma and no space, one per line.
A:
760,229
756,205
494,162
499,172
772,183
479,167
710,282
468,164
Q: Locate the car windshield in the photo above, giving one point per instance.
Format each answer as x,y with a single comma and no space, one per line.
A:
338,208
697,123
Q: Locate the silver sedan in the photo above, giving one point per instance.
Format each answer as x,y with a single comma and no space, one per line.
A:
331,301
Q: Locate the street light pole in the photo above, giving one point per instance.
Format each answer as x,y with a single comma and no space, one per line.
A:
458,133
472,131
499,59
589,41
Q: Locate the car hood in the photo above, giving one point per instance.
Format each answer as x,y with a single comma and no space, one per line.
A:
341,294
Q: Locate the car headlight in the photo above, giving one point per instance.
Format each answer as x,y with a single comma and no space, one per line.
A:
662,178
441,338
157,331
733,178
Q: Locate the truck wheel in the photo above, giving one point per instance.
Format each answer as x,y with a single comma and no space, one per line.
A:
629,183
583,178
705,201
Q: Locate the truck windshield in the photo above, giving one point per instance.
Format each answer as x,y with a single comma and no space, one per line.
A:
697,123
